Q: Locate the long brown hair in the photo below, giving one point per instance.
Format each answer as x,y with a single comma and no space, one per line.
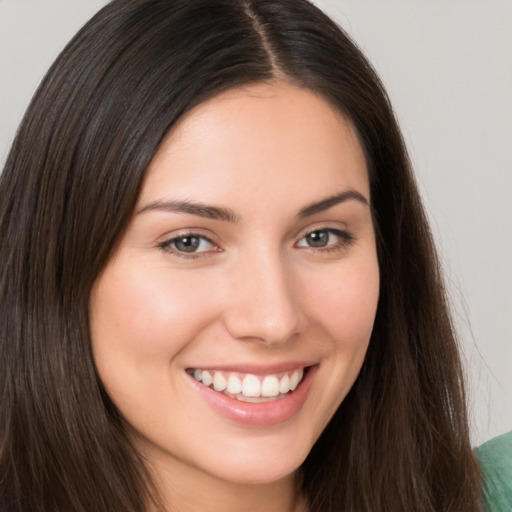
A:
399,441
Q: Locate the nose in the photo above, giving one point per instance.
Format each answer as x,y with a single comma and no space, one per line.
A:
263,304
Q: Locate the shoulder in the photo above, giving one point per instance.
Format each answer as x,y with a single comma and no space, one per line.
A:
495,458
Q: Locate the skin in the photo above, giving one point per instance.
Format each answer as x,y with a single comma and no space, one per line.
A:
256,293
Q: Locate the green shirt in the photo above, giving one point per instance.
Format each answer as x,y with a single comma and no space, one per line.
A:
495,457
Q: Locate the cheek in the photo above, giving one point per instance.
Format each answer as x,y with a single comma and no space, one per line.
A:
347,303
141,318
342,309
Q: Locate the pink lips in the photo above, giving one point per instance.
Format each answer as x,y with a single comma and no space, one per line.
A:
259,414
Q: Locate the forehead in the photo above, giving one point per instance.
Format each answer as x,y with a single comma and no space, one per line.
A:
263,139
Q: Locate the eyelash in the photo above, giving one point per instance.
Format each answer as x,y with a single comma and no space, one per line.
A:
167,245
345,239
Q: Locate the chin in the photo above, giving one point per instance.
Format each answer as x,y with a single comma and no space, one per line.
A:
261,462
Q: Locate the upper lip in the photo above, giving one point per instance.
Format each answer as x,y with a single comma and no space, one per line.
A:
256,369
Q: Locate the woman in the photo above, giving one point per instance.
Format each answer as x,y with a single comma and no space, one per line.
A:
212,252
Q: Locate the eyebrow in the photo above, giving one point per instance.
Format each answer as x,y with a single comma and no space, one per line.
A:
201,210
325,204
228,215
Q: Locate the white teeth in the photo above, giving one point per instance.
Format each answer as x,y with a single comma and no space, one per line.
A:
270,386
284,384
234,385
251,386
295,379
206,377
219,382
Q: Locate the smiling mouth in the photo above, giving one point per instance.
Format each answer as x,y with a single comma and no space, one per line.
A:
249,387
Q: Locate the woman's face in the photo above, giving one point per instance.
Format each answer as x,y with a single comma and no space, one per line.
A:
249,264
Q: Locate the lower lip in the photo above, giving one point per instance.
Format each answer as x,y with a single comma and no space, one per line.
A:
259,414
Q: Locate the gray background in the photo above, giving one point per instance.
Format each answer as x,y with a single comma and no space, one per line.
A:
447,66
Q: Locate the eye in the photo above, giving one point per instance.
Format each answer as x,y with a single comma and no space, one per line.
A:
325,239
188,244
